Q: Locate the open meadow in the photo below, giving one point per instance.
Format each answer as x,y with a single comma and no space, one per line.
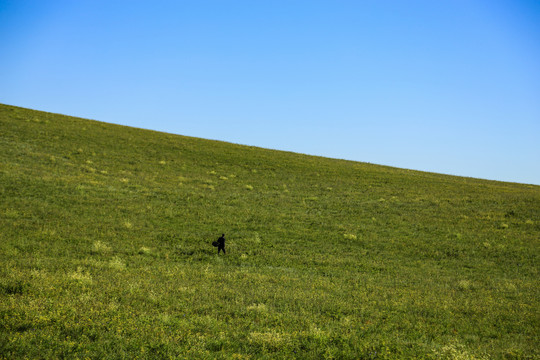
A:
105,252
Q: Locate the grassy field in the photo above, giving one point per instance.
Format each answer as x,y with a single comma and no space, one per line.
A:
105,252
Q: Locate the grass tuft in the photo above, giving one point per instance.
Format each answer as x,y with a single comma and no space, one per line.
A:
143,250
81,276
101,248
117,264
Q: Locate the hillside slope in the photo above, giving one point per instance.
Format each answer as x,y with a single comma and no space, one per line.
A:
105,251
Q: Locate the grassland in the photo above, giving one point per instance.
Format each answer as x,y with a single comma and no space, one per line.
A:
105,252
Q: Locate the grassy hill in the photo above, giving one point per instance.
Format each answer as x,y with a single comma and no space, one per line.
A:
105,252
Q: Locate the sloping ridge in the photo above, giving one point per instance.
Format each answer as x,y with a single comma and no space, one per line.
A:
98,202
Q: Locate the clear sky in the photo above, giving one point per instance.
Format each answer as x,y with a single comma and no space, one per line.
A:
448,86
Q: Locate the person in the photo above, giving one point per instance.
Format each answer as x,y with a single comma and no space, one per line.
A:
221,244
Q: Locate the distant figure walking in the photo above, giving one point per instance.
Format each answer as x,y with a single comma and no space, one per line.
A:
221,244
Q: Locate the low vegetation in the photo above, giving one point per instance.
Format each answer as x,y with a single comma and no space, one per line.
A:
106,252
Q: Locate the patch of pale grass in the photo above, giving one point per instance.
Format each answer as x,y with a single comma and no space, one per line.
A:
464,285
113,305
258,308
145,251
81,276
117,264
257,238
457,352
166,318
100,247
186,290
508,285
38,273
271,339
89,169
11,214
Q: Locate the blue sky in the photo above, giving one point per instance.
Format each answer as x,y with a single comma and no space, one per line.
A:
443,86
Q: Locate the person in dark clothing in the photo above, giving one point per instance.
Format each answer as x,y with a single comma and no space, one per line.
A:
221,244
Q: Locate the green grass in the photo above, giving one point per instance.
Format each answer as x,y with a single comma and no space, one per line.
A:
105,252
